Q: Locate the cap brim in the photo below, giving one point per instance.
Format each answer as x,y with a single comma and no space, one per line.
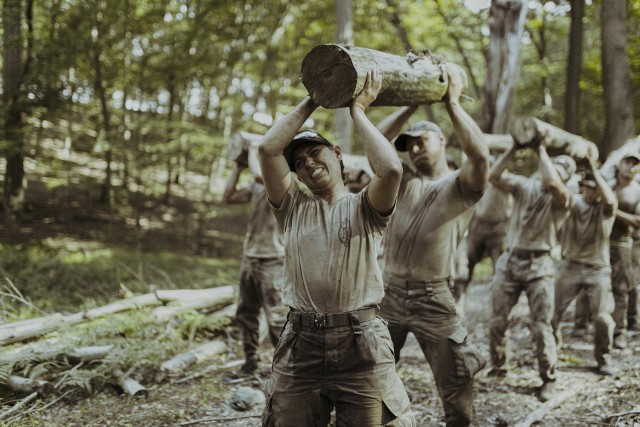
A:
289,149
401,141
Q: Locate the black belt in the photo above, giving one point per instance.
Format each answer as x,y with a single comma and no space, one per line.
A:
331,320
526,253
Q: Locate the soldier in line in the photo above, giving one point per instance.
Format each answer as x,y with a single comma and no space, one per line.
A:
585,262
262,266
627,191
433,211
541,204
485,237
334,351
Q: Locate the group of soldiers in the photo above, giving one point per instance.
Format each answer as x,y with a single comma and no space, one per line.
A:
310,261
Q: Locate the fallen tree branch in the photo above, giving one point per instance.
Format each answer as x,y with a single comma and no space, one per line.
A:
204,420
129,385
208,369
539,413
29,385
182,361
622,414
19,405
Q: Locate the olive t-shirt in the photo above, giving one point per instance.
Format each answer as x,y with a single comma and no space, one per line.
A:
330,252
430,220
263,238
535,220
585,234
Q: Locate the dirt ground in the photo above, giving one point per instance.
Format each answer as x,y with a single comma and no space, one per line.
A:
591,400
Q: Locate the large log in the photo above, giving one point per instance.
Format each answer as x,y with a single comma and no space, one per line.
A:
530,131
334,75
608,168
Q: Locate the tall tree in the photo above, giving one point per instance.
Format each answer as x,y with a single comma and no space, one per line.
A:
506,22
574,65
343,125
619,124
13,101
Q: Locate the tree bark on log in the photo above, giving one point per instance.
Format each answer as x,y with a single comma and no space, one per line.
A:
529,131
29,385
334,75
179,363
608,168
129,385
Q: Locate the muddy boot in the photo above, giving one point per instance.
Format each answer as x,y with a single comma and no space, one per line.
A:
548,391
633,325
620,342
606,369
250,365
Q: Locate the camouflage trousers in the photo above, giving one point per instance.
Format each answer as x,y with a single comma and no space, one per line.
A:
349,368
532,273
427,309
595,283
261,281
621,282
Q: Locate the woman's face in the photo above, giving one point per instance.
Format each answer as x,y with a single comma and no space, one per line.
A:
317,165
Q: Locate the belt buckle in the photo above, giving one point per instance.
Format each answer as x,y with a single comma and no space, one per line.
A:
319,321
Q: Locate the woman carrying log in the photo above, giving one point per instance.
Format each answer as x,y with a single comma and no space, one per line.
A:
334,352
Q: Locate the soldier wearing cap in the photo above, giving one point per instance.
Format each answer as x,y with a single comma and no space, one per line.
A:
585,262
627,191
434,207
541,204
334,351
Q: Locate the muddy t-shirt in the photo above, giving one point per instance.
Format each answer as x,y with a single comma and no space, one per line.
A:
535,220
330,252
585,234
622,233
430,220
263,238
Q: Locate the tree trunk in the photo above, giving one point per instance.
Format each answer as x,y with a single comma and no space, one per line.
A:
343,123
12,76
574,66
619,125
529,131
506,22
335,74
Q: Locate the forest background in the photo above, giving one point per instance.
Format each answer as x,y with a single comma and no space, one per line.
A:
117,114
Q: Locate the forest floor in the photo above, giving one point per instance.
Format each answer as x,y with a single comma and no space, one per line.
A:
591,399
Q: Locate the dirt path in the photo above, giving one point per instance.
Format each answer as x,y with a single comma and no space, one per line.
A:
498,402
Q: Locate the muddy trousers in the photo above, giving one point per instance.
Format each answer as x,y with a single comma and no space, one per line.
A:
621,282
595,283
531,273
351,369
428,311
261,282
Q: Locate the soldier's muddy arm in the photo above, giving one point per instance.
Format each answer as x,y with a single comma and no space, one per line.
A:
232,194
550,179
503,181
391,125
609,199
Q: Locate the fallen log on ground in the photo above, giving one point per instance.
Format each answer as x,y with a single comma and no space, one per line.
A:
87,354
222,295
334,75
530,131
539,413
179,363
29,385
129,385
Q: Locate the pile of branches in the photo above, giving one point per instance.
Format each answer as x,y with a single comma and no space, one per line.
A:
142,339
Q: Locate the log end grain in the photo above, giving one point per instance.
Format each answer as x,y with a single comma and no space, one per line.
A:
329,76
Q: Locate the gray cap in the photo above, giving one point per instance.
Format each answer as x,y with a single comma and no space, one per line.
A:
631,155
308,135
416,129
